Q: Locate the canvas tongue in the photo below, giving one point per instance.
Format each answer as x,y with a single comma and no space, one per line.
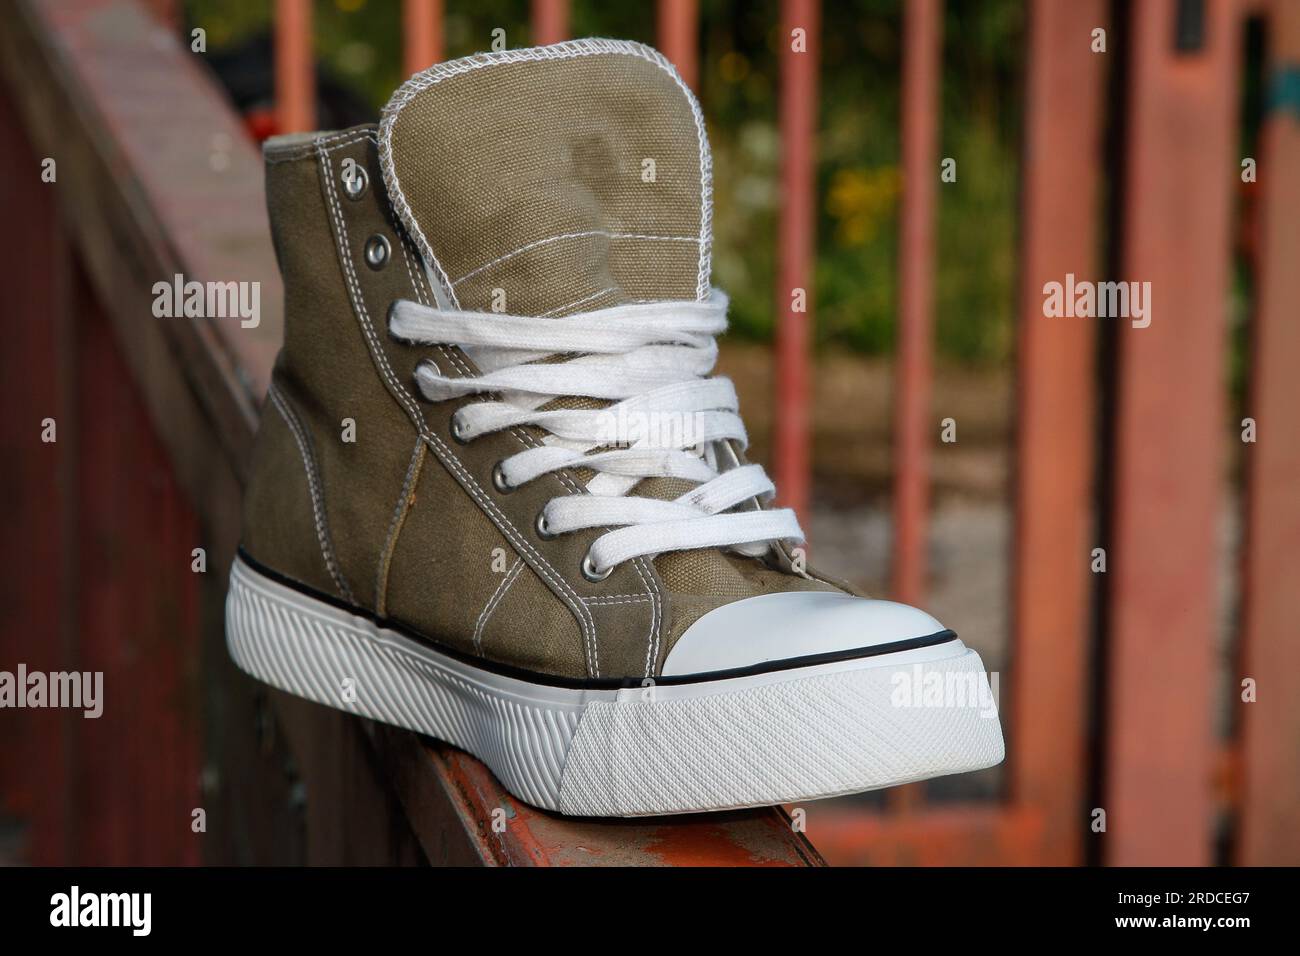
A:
553,180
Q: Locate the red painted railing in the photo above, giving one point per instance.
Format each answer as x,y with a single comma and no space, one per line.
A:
913,431
1132,462
295,77
421,34
792,452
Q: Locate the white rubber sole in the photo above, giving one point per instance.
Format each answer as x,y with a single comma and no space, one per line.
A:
776,737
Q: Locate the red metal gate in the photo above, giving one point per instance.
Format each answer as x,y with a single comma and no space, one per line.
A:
1111,697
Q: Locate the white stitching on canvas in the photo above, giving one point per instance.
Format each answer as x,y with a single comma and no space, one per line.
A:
308,150
493,601
410,272
559,51
605,233
317,493
573,305
647,576
585,621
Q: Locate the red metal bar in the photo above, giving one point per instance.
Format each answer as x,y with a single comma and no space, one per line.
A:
679,36
295,73
451,801
1270,653
421,34
798,116
550,21
922,29
1168,469
1062,155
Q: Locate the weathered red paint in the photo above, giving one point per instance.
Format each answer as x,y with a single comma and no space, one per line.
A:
34,582
791,445
913,428
678,28
528,836
1167,477
295,66
550,21
137,766
422,30
1051,582
922,31
1270,653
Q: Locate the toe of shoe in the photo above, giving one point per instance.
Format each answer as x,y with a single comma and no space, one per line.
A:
772,628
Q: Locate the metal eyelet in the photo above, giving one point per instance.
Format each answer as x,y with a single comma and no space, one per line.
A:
457,429
540,525
377,251
591,573
355,181
499,480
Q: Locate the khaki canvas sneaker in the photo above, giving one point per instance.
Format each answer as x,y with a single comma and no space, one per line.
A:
496,498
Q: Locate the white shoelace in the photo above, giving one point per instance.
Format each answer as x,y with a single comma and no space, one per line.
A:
665,420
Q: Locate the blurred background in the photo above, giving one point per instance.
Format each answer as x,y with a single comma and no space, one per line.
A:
1081,499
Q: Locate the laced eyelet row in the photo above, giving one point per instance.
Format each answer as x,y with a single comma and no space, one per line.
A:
674,338
540,526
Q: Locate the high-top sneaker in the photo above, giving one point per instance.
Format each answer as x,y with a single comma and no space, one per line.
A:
497,499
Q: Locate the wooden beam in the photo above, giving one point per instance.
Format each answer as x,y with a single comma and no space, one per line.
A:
550,21
421,34
1180,174
1270,653
913,364
679,38
137,778
37,486
796,238
118,107
913,428
463,815
1054,428
295,67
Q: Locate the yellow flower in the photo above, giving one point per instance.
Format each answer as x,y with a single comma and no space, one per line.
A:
859,200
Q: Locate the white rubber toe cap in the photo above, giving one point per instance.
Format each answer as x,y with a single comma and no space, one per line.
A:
791,624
